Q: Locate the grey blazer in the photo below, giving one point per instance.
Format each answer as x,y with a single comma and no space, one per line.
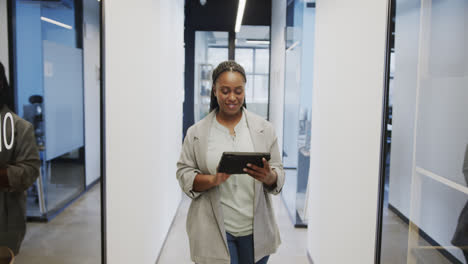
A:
205,223
22,163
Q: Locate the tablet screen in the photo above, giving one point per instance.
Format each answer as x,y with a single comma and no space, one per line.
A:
235,162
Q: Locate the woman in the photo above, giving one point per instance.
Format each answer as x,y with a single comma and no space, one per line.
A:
231,218
19,168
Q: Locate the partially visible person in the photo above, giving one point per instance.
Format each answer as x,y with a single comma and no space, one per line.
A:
460,238
19,168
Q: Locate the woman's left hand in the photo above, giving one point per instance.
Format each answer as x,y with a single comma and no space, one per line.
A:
265,174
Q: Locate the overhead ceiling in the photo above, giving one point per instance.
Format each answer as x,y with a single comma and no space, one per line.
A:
220,15
246,34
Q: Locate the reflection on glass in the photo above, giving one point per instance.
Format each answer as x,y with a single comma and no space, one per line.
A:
211,48
51,99
253,53
298,107
57,82
425,215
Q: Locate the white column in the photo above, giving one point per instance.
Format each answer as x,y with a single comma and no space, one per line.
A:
144,93
346,130
278,24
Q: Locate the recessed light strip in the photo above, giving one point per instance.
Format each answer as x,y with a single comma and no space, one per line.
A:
240,15
261,42
56,22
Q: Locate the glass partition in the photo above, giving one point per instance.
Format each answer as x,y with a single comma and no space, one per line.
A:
298,107
51,99
211,48
56,47
425,216
253,53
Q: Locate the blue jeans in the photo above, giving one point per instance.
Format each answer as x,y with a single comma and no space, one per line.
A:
242,250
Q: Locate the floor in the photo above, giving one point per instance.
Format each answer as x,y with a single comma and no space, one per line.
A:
294,240
65,181
395,243
73,237
292,249
289,191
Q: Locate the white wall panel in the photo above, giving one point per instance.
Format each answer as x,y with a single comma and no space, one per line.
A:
278,24
346,130
144,93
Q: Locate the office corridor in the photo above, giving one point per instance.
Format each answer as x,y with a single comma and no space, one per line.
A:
292,249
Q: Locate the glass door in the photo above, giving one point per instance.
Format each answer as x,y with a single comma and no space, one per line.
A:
298,107
211,48
251,50
425,213
253,53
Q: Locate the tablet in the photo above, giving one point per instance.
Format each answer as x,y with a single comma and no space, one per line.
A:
235,162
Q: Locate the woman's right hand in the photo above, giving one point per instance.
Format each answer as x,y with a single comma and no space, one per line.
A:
219,178
203,182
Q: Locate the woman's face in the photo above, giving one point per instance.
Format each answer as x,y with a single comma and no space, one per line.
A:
230,92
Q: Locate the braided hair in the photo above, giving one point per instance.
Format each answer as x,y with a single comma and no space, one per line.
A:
224,66
5,92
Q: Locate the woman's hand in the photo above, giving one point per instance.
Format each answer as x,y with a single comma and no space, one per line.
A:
265,174
203,182
219,178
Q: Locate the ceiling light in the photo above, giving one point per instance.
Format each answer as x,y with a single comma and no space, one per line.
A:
258,41
240,15
56,22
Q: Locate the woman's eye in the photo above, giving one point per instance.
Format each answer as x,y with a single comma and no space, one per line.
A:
239,91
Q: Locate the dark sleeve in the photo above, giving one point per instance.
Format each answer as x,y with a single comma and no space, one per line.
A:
24,169
465,165
4,178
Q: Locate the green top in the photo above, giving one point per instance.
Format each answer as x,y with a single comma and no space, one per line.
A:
237,192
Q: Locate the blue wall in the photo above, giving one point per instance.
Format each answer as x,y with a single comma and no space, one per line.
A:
29,67
30,33
308,39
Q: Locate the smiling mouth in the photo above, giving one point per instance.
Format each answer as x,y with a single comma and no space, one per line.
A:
232,106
